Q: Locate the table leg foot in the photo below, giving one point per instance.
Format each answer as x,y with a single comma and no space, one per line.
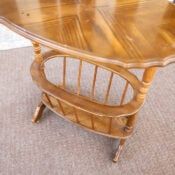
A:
38,112
119,150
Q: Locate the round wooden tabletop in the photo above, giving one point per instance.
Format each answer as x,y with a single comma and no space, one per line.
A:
128,33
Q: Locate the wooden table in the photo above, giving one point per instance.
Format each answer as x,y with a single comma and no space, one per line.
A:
115,35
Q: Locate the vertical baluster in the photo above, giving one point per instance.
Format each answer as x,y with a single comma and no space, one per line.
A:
92,122
131,120
110,125
109,87
76,115
37,50
61,107
124,93
147,78
64,72
79,78
94,81
48,99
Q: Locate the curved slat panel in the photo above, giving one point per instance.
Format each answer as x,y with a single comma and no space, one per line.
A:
81,102
105,126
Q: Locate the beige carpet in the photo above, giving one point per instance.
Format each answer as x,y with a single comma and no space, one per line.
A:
57,147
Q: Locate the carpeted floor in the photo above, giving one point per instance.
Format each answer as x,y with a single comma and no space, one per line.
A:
57,147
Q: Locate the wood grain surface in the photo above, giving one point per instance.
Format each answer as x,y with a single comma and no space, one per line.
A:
128,33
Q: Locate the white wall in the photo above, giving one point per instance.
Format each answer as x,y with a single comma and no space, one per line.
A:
10,40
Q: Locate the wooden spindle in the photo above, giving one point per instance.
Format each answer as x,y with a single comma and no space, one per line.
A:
94,81
61,107
76,116
48,99
124,93
148,76
109,87
110,125
92,122
131,121
37,50
79,78
64,72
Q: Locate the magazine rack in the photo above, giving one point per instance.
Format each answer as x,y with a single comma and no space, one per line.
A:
113,121
115,36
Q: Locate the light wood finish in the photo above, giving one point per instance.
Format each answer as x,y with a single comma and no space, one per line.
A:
146,81
79,78
38,112
131,121
119,150
64,72
148,76
124,93
114,35
92,122
37,51
128,33
84,103
115,121
114,128
109,86
94,81
61,107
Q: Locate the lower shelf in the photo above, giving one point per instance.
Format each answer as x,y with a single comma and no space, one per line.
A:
111,127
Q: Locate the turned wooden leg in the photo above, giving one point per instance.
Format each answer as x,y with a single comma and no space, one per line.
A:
147,79
38,113
128,128
119,150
